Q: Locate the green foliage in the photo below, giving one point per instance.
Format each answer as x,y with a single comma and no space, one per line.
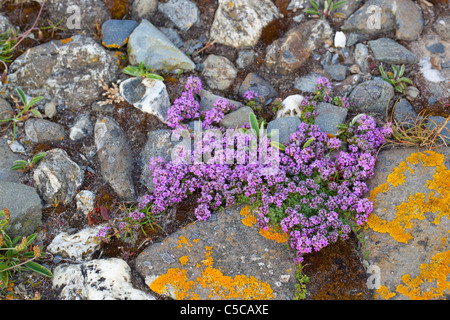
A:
396,79
22,165
7,41
303,280
328,7
141,71
256,128
25,113
15,254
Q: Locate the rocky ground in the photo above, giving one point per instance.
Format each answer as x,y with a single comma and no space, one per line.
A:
99,128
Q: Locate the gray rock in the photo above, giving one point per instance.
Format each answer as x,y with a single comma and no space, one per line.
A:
442,27
376,17
41,130
159,145
219,72
372,96
329,117
389,51
241,24
434,122
404,112
285,126
336,72
361,54
85,200
307,83
99,279
149,45
7,158
222,243
82,127
349,7
143,9
208,99
246,58
173,36
25,208
115,33
263,88
237,118
183,13
6,111
67,73
80,15
296,47
147,95
5,24
114,154
57,177
405,232
436,48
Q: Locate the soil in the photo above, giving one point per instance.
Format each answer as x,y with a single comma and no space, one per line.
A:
335,272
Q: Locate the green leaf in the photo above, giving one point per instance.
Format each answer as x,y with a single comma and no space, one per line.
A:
277,145
402,70
22,96
35,100
396,71
383,74
338,4
3,279
311,11
307,143
31,238
18,167
131,71
154,76
36,113
404,79
38,157
36,267
356,119
314,4
254,124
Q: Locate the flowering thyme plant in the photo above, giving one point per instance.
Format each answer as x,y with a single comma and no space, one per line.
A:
317,195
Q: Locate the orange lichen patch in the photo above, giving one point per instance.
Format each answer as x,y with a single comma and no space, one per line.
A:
384,293
184,260
67,40
220,286
183,241
112,46
437,271
176,279
274,234
438,200
249,219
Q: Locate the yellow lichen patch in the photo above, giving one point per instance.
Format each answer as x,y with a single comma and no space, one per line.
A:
437,272
66,40
273,234
397,177
249,219
220,286
384,292
184,260
176,279
183,241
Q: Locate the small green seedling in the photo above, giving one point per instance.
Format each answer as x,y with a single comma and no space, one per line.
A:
328,7
141,71
24,114
397,79
23,166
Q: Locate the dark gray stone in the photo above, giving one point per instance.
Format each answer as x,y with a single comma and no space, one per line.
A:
6,112
329,117
238,118
82,127
389,51
257,84
285,126
114,154
184,14
436,48
41,130
7,158
115,33
307,83
25,208
336,72
438,121
372,96
404,112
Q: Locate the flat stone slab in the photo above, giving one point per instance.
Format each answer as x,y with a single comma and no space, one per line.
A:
225,257
406,238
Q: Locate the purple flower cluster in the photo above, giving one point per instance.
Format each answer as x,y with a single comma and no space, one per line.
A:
185,107
216,114
316,196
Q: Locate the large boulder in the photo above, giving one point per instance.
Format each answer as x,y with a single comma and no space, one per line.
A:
372,96
67,71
